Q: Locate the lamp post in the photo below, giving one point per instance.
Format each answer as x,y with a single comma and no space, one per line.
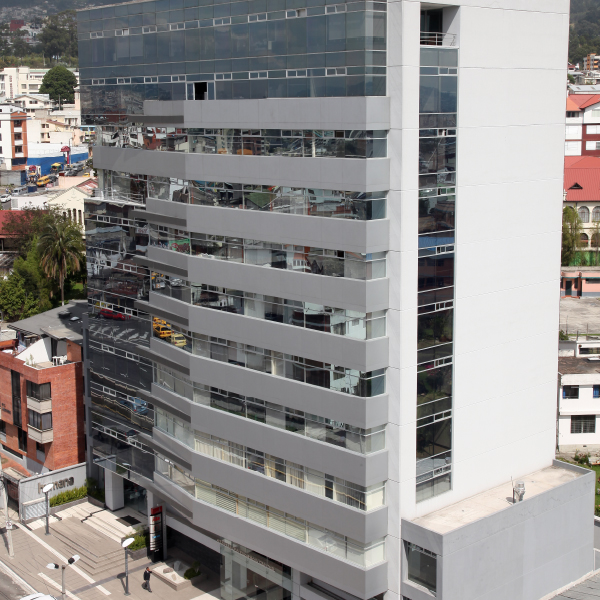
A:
126,543
46,489
71,561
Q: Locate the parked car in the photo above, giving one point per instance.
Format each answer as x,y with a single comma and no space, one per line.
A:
178,339
106,313
162,331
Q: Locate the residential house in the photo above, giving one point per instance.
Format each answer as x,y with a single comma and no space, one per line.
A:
41,390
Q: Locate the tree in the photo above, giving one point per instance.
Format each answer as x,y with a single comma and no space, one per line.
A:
571,235
35,282
15,302
59,36
61,250
60,83
24,225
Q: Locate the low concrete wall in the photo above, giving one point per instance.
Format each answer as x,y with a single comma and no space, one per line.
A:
523,552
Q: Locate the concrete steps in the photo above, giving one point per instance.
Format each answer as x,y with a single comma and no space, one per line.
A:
98,554
103,521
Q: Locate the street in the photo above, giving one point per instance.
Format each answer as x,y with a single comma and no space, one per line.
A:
10,590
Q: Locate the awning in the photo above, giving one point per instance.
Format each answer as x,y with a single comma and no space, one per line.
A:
57,165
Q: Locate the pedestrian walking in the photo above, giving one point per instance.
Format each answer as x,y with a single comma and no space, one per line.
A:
146,583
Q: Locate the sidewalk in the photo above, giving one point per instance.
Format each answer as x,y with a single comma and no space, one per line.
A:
34,550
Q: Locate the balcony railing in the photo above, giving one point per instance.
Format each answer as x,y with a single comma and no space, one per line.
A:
42,437
110,196
437,39
40,406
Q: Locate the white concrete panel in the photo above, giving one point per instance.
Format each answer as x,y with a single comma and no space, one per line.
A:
494,212
494,154
504,368
539,100
489,266
501,38
515,311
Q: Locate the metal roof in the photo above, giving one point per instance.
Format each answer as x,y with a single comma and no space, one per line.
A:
51,324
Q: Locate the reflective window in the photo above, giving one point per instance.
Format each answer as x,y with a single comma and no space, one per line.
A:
422,566
437,209
325,540
301,259
314,482
333,50
320,428
339,321
326,375
259,142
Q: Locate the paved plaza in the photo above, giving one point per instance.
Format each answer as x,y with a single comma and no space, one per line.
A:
96,531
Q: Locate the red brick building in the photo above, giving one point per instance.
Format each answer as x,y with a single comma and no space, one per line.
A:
41,393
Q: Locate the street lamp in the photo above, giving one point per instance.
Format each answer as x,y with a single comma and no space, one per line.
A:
71,561
126,543
46,489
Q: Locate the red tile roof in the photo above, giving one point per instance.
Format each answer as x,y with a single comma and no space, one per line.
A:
583,100
572,106
583,172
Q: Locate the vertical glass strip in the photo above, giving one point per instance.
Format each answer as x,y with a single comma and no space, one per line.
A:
437,236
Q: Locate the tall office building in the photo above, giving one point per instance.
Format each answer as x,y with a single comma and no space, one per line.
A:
323,286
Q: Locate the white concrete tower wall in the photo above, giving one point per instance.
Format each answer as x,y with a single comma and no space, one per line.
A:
508,204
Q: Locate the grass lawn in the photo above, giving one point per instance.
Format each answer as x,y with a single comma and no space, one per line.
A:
596,469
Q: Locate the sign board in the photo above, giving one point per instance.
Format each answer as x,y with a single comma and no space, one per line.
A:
156,528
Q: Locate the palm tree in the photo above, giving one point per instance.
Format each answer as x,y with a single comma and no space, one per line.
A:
61,249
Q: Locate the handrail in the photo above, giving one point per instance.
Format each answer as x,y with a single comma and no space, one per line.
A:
437,39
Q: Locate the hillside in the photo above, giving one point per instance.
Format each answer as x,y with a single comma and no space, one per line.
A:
585,29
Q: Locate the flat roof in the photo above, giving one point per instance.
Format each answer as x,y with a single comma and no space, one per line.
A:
580,314
477,507
589,589
51,324
571,365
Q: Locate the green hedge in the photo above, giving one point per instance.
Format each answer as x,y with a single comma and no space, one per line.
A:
140,540
69,496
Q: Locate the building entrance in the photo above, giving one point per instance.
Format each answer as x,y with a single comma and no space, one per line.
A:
135,496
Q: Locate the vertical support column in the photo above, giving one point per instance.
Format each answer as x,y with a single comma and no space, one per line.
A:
114,490
296,577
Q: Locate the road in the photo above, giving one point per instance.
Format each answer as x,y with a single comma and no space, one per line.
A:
10,589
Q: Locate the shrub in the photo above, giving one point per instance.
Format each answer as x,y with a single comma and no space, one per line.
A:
69,496
582,459
563,336
141,539
193,571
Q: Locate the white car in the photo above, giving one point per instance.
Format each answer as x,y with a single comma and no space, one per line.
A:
5,197
38,596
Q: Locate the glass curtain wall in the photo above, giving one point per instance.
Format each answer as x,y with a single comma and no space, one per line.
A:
115,332
435,324
200,50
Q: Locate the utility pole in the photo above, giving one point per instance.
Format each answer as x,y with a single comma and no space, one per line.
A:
11,551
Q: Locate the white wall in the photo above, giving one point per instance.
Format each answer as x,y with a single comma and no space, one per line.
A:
34,131
508,207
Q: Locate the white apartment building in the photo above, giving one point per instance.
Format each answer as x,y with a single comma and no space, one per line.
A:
15,81
307,309
579,396
13,137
